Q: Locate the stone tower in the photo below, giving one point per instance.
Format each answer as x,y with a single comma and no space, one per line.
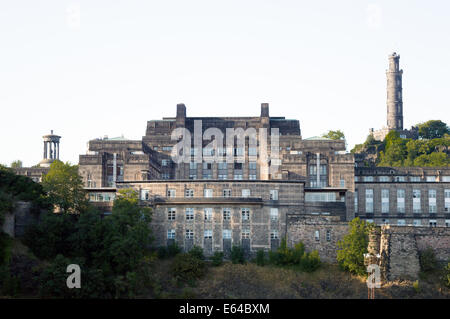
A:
51,149
394,93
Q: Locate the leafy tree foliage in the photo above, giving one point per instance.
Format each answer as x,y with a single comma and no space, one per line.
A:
64,187
187,267
433,129
353,246
297,257
335,135
16,164
237,255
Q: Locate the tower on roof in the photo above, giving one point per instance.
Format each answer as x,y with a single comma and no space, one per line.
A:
394,93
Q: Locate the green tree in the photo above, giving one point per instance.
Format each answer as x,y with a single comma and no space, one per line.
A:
64,187
334,135
353,246
16,164
433,129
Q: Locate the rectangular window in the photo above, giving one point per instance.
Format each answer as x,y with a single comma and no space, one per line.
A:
145,194
328,235
342,183
207,234
317,235
222,166
400,200
171,234
369,200
274,214
416,201
446,178
208,192
189,234
447,200
165,162
400,178
274,194
245,233
237,177
417,222
193,165
171,213
447,223
401,222
432,201
414,178
252,151
383,178
367,178
252,165
189,193
226,233
385,200
252,177
245,193
208,213
356,201
274,234
189,214
432,222
226,214
430,178
171,193
227,193
165,176
245,213
222,176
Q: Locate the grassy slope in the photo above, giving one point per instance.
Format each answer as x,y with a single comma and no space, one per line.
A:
251,281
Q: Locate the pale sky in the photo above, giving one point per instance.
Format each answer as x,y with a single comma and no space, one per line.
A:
86,69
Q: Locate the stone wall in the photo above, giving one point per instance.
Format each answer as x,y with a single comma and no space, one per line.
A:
303,228
16,222
400,247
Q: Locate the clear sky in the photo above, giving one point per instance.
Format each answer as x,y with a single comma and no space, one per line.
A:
86,69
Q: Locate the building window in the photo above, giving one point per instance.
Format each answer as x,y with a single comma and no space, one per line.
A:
274,194
446,178
328,235
432,201
416,201
237,177
207,234
226,233
245,233
222,176
385,200
317,235
171,213
414,178
171,193
432,222
189,214
145,194
274,234
192,176
401,222
171,234
274,214
383,178
252,165
165,176
447,223
369,200
227,193
226,214
367,178
252,177
208,192
356,201
400,178
245,193
165,162
222,165
430,178
208,213
245,213
447,200
193,165
342,183
189,192
189,234
400,200
417,222
385,221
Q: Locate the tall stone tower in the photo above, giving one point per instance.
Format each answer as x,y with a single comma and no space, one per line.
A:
51,149
394,93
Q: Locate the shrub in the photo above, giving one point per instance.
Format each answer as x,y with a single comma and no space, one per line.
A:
416,286
310,261
446,276
186,267
161,252
197,252
217,258
427,260
173,250
260,257
237,255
